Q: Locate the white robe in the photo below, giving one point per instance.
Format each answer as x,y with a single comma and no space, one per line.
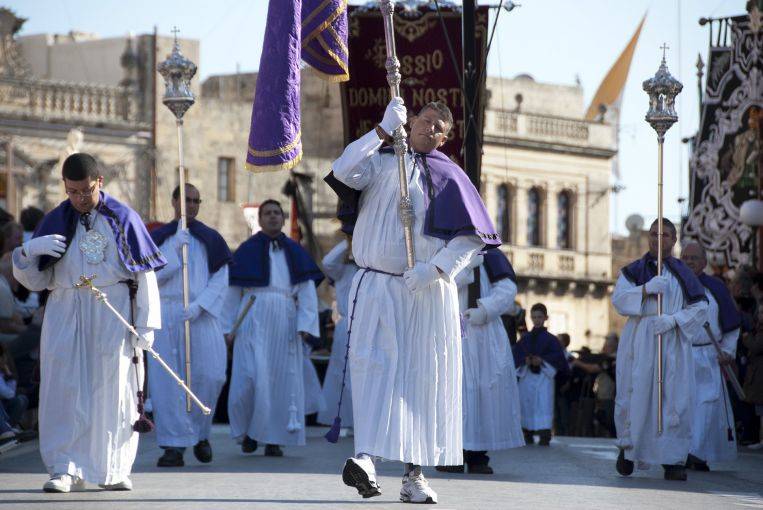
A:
335,267
405,348
88,382
536,397
636,401
268,355
314,401
713,416
490,394
174,425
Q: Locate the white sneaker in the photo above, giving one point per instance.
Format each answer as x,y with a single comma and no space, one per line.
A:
124,485
64,483
361,474
416,489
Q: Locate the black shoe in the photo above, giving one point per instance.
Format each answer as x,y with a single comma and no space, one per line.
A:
675,472
248,445
450,469
273,450
355,476
696,463
545,437
623,465
480,469
529,439
203,451
172,457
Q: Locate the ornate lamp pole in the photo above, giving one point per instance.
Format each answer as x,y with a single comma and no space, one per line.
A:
177,72
662,89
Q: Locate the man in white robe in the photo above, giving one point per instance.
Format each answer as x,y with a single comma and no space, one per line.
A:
405,341
88,381
266,400
683,312
490,394
208,259
713,427
339,266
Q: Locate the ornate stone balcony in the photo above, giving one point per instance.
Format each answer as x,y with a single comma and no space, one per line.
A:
69,102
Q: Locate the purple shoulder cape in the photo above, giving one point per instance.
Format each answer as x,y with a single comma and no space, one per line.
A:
454,207
644,269
218,253
134,244
251,262
728,315
498,267
540,342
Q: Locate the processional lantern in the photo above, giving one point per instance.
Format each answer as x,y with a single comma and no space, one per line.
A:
177,72
662,89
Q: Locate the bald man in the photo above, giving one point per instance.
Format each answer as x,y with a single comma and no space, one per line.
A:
713,436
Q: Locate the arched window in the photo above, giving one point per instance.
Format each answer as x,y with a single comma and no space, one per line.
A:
503,213
564,220
534,216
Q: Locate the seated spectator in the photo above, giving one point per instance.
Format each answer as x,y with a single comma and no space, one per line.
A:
15,404
30,217
7,434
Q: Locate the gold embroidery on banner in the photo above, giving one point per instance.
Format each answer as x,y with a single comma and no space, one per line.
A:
276,152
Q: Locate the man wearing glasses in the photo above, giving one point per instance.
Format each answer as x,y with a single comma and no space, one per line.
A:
88,379
208,259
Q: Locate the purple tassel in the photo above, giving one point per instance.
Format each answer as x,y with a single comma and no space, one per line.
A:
142,425
332,436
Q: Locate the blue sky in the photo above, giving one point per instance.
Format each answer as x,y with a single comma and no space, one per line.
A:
553,40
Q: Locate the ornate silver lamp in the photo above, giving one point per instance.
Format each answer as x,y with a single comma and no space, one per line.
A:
662,89
177,72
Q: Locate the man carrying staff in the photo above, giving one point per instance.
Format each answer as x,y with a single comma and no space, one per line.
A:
208,259
266,403
684,308
404,331
88,380
713,434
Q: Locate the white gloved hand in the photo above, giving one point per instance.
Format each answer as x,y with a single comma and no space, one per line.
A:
146,339
421,276
53,245
183,237
394,116
476,316
657,285
192,313
663,323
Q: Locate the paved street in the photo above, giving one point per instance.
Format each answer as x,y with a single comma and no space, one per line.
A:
573,473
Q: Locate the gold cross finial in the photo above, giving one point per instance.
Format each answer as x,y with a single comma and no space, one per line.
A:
664,48
175,31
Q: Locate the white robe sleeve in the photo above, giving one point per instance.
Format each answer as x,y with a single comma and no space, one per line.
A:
333,262
500,300
627,298
456,255
547,370
729,342
26,273
691,318
148,313
355,166
307,308
232,299
212,297
169,250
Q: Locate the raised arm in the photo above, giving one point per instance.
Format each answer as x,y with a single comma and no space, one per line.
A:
500,299
456,255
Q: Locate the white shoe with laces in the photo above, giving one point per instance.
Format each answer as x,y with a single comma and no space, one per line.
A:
416,489
124,485
64,483
361,474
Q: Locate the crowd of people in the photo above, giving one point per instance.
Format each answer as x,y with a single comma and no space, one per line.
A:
430,365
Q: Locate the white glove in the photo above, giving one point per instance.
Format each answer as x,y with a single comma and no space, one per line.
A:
182,237
663,323
192,313
476,316
394,116
53,245
421,276
146,339
657,285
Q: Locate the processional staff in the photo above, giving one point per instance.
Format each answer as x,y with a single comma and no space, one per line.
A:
177,72
387,8
662,89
